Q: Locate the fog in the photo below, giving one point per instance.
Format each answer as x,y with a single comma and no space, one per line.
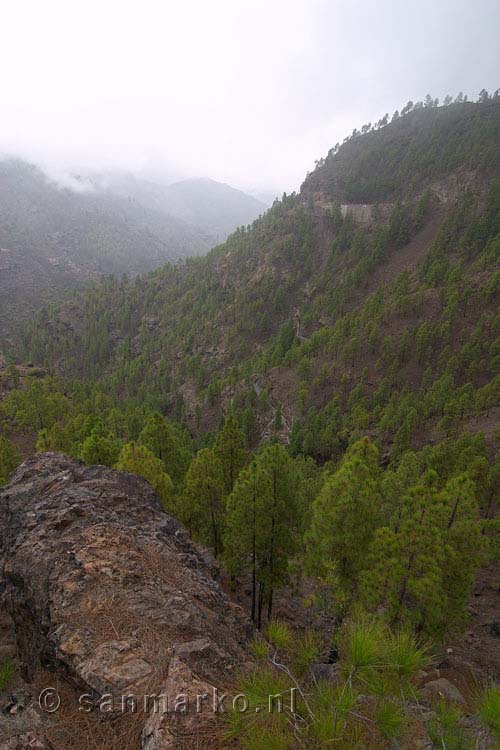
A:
246,92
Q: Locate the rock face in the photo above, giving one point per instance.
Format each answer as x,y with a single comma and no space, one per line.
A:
107,591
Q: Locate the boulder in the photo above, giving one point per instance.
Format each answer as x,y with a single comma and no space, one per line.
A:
442,689
109,593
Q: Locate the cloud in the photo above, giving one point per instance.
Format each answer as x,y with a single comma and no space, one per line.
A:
245,92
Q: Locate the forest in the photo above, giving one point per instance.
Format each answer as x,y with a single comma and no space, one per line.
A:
318,402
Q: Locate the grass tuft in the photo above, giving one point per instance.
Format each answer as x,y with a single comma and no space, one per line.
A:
390,720
306,652
260,649
446,730
279,635
489,710
405,654
360,646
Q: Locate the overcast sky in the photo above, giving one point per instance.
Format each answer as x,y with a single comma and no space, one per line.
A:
249,92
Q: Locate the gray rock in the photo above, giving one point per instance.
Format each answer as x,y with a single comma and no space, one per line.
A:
107,590
442,689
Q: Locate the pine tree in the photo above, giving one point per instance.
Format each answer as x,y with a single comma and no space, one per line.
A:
99,448
463,543
230,449
263,518
277,522
9,459
60,437
163,439
396,482
202,507
137,459
405,564
278,420
491,491
243,508
345,515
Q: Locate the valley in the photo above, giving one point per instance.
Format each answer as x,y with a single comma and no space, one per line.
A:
282,455
56,239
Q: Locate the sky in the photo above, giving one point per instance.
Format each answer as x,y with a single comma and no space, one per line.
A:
245,92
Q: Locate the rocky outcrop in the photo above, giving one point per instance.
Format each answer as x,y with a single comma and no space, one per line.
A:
108,592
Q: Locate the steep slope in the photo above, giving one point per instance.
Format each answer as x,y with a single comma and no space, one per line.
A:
53,239
332,316
214,205
93,228
452,143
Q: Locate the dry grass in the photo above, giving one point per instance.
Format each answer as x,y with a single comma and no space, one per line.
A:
109,613
164,574
73,729
70,728
109,616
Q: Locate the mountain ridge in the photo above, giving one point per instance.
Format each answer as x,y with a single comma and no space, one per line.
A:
55,239
318,400
199,201
309,290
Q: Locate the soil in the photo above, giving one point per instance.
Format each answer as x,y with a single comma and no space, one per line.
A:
479,647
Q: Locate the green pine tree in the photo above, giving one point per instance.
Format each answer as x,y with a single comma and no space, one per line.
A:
137,459
463,544
404,567
9,459
241,542
262,520
163,439
98,449
345,516
230,449
202,506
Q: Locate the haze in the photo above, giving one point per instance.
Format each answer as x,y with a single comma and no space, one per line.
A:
249,93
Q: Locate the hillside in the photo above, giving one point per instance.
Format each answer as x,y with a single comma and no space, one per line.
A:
217,209
317,400
53,239
370,317
454,143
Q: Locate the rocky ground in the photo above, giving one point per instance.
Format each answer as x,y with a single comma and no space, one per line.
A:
104,595
478,649
108,597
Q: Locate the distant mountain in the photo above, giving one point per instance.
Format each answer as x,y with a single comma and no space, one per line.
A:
53,238
365,303
215,207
